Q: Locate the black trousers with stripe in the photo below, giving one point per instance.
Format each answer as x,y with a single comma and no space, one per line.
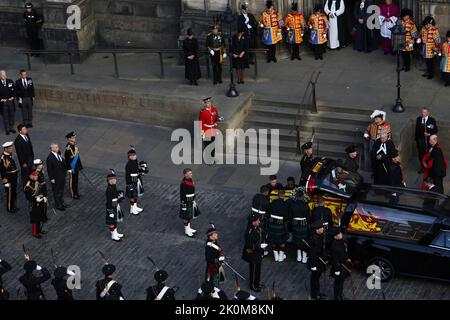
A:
73,183
11,195
255,274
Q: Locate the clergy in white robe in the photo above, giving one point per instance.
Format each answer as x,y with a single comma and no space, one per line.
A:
334,9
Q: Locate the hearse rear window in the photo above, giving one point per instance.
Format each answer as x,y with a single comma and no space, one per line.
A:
389,223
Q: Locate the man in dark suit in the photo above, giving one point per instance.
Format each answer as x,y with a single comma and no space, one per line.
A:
56,170
435,164
7,94
25,96
425,127
25,154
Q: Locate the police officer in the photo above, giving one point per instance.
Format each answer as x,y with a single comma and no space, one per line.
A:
340,263
73,164
8,171
253,252
60,284
4,268
32,281
316,261
108,288
160,291
33,22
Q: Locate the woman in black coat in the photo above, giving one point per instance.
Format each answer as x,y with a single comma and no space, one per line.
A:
239,51
190,47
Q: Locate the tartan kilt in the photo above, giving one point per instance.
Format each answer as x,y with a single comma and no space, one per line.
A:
132,191
277,233
299,236
111,219
186,212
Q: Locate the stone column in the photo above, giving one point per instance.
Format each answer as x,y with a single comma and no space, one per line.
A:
56,34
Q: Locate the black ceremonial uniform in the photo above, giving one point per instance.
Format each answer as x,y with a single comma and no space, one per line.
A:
114,292
8,171
113,197
429,126
60,284
277,222
33,283
154,291
73,163
316,262
260,207
132,178
339,261
324,214
7,92
300,216
33,21
306,164
253,253
37,204
188,206
4,267
216,43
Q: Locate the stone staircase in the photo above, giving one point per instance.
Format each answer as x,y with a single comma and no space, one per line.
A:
335,127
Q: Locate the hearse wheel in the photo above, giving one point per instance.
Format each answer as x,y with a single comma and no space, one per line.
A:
386,268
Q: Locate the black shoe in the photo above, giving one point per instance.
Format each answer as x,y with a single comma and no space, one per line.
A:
44,232
299,58
242,82
275,60
292,58
7,133
60,208
425,75
65,206
38,236
76,197
220,81
407,69
195,83
430,77
12,131
321,58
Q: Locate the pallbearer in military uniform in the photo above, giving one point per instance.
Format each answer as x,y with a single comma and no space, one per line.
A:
300,217
38,166
411,36
295,25
132,175
73,163
431,40
445,60
214,258
216,47
351,161
4,268
316,261
277,232
271,23
37,204
340,263
208,117
260,206
108,288
253,252
8,171
208,291
114,213
378,125
160,291
307,160
317,24
33,22
188,206
32,280
274,186
60,283
289,188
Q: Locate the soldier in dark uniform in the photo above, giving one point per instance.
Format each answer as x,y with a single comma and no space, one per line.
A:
188,206
8,171
114,213
274,186
108,288
33,22
38,165
160,291
426,126
351,161
214,258
307,160
300,216
133,181
32,281
324,214
60,284
207,291
289,188
73,164
316,262
253,252
7,106
340,263
260,206
216,47
244,295
37,204
277,233
4,268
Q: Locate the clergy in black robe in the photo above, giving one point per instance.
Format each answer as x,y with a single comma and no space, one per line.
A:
247,22
364,37
382,152
190,48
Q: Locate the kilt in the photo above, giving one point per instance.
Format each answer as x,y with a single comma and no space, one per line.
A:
132,191
189,211
111,217
300,233
277,231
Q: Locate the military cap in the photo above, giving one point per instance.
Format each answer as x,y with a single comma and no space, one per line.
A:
60,272
211,231
317,225
350,149
71,134
335,231
206,99
132,151
161,275
207,287
37,162
112,174
30,266
307,145
406,12
242,295
108,269
8,144
28,5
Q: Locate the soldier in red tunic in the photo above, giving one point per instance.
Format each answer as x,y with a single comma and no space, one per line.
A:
208,118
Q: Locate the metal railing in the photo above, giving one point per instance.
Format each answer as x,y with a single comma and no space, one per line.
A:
114,52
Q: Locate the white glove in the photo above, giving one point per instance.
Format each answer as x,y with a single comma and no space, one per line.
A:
419,40
287,28
20,100
224,55
27,257
411,45
366,135
111,215
6,185
263,245
39,198
221,118
212,52
261,25
314,269
199,291
222,258
38,268
337,273
0,260
69,171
